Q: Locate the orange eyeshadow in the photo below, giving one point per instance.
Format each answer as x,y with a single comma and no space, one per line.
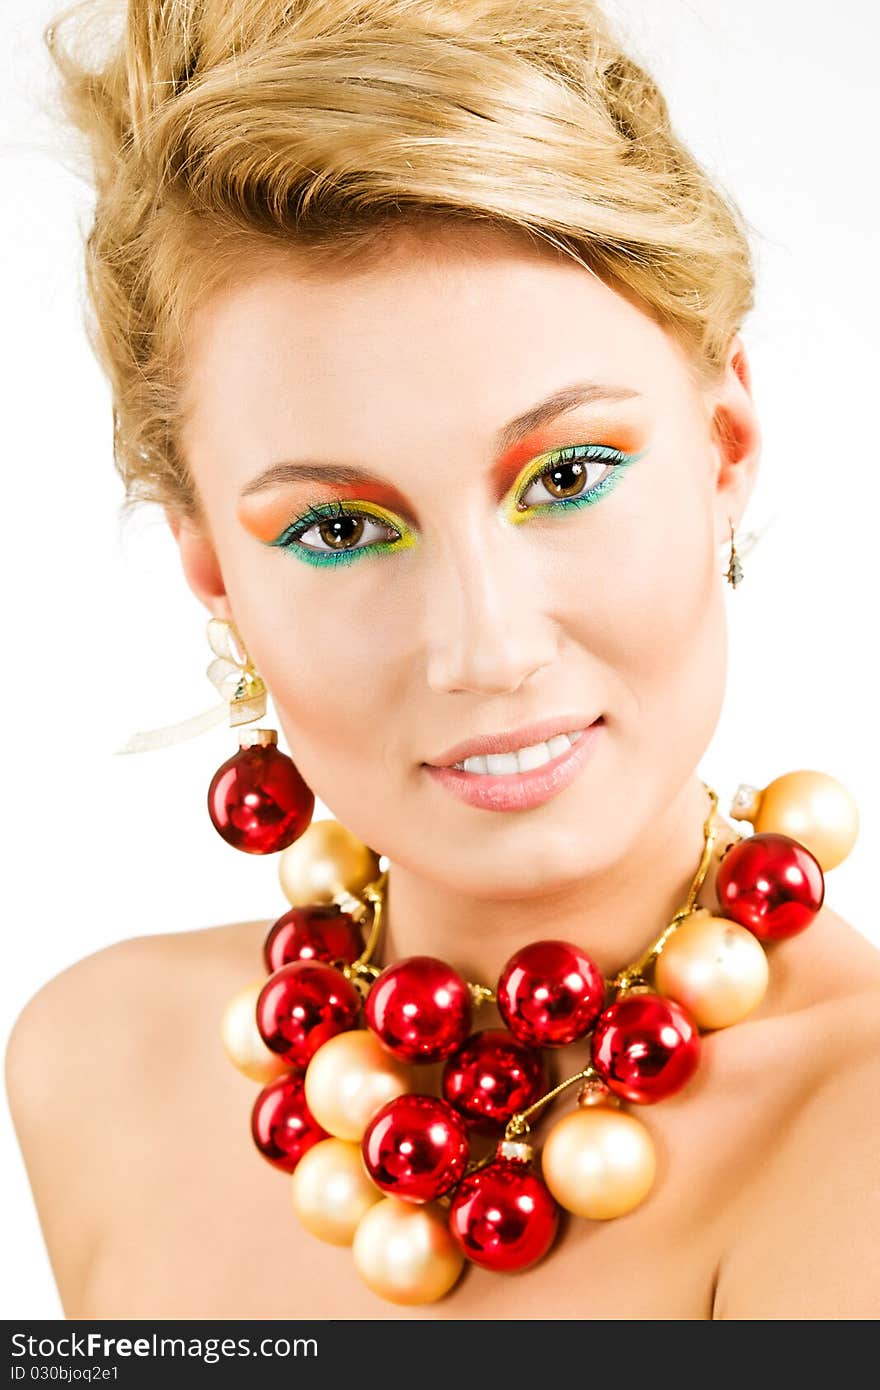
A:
266,515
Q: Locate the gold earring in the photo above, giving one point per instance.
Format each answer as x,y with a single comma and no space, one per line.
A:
734,569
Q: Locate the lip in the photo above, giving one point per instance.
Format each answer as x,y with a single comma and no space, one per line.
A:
509,740
524,790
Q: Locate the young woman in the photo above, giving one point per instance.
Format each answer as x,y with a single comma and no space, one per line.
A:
424,329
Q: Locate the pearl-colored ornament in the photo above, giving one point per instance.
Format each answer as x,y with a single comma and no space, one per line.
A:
325,861
811,807
714,968
599,1162
351,1077
241,1038
405,1253
331,1191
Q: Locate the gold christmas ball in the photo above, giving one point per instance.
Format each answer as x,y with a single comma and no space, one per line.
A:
326,859
349,1078
599,1162
405,1253
241,1038
716,969
809,806
331,1190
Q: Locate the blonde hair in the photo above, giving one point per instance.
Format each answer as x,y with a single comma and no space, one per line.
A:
222,131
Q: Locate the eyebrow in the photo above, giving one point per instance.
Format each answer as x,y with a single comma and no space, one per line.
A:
568,398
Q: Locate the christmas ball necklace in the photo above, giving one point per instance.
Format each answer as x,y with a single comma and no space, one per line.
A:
378,1162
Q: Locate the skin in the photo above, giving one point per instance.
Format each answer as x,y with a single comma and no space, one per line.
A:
408,368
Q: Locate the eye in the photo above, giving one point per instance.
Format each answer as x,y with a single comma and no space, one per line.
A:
331,533
573,476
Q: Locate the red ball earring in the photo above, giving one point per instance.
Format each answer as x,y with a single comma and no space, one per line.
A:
257,799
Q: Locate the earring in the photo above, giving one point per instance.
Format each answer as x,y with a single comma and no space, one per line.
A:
257,799
734,569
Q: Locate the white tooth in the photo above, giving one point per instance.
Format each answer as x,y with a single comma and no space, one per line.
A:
523,759
559,743
498,763
474,764
533,756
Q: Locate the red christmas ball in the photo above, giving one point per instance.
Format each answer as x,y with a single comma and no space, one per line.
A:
258,801
503,1216
415,1148
550,993
645,1047
282,1125
301,1006
420,1009
319,931
771,884
491,1077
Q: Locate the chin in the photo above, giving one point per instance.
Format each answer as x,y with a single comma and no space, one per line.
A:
538,858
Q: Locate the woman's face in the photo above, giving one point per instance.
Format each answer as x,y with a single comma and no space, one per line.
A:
458,576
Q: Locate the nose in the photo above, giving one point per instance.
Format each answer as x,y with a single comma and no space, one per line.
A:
486,626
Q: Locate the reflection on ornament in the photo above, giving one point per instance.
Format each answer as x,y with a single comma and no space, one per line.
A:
503,1215
242,1042
716,969
405,1253
349,1079
325,862
770,884
330,1191
599,1162
810,807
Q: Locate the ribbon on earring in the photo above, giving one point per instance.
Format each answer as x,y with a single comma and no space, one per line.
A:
233,675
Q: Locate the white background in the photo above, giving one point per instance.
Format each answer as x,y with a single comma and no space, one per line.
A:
103,637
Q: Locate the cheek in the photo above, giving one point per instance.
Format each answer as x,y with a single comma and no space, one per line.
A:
663,632
333,674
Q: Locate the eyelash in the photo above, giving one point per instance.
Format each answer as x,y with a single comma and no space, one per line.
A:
318,513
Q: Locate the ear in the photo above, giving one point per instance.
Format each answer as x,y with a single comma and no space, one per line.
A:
737,440
200,564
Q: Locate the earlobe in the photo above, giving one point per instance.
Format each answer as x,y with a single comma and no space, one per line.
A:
737,438
201,565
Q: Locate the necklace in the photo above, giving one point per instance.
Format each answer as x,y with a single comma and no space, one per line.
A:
379,1163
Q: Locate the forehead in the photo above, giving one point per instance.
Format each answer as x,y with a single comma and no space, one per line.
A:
438,334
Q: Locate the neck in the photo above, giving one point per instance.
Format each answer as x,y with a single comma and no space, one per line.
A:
613,915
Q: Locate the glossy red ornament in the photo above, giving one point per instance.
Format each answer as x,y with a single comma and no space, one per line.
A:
420,1009
301,1006
282,1125
258,801
503,1216
415,1148
645,1047
550,993
771,884
318,931
491,1077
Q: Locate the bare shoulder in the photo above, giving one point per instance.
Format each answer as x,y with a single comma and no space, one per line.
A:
125,990
93,1048
808,1246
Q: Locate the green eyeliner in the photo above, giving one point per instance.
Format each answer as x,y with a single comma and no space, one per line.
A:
576,453
329,511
